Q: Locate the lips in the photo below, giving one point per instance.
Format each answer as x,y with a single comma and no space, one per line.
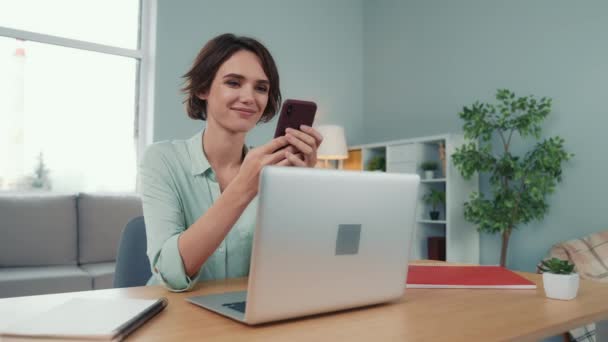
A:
244,111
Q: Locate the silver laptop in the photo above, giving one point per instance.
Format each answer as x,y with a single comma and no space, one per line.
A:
325,240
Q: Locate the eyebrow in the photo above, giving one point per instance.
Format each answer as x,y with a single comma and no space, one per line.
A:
241,77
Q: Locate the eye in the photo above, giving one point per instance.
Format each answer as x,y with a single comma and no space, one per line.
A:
232,83
262,89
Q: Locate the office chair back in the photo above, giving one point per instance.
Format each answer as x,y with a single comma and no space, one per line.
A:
132,264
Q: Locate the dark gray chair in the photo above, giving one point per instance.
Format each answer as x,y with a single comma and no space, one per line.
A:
132,264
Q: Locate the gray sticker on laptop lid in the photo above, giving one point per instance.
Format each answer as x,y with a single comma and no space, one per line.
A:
348,239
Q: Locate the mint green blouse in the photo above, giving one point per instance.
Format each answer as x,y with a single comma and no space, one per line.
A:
177,187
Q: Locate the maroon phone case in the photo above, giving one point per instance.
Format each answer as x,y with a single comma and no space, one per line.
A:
295,113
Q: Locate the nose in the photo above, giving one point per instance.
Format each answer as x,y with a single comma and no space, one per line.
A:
246,95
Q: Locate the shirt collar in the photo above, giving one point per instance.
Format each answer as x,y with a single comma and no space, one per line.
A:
200,164
199,161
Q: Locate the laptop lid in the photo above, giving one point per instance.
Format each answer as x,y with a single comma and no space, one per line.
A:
327,240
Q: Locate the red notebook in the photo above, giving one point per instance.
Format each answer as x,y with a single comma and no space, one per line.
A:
465,277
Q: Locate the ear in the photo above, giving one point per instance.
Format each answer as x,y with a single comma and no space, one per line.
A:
203,95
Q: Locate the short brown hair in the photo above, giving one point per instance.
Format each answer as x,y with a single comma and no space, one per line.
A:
211,57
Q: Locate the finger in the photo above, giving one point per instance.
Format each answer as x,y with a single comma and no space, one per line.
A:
300,156
284,162
305,137
291,149
287,148
299,144
294,159
274,158
274,145
311,131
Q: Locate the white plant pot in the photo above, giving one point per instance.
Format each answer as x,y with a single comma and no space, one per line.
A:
430,174
561,286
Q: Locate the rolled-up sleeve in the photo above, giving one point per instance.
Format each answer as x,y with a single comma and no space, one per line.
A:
164,219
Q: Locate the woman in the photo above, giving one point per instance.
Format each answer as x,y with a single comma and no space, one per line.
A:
198,194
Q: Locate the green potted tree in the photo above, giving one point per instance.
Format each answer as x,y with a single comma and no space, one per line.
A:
429,167
518,184
559,279
434,198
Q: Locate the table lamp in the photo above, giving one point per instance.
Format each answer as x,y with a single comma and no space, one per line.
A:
333,146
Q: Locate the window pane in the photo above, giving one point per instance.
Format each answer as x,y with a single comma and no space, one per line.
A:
74,107
109,22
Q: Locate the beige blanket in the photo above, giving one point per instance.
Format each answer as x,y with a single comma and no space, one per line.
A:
589,255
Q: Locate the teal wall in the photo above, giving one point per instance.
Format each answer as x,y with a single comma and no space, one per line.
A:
317,44
391,69
424,60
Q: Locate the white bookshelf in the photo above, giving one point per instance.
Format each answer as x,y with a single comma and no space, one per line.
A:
405,156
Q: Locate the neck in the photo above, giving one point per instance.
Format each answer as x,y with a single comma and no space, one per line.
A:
222,148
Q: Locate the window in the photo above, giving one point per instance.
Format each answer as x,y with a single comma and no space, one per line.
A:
75,95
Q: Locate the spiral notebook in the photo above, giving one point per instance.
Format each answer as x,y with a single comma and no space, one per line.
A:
465,277
88,319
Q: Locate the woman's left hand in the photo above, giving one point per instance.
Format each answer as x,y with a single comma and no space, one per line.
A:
306,141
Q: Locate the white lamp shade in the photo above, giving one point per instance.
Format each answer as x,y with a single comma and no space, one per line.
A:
333,146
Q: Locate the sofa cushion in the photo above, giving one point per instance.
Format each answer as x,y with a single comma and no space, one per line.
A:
102,274
101,219
37,230
27,281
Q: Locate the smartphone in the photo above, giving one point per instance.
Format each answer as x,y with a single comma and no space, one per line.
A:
295,113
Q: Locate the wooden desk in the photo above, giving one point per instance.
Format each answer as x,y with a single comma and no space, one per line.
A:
420,315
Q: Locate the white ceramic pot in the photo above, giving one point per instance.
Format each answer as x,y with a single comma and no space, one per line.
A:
430,174
561,286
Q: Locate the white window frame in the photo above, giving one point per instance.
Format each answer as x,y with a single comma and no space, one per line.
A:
145,55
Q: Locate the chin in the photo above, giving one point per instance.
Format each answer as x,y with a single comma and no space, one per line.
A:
242,127
246,123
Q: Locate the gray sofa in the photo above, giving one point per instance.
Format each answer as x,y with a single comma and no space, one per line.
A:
52,243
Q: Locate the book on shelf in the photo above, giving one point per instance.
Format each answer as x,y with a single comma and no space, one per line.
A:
465,277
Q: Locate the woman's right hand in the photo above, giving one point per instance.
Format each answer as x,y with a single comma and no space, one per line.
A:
272,153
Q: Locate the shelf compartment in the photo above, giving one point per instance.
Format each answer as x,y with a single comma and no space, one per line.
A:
434,180
353,162
432,221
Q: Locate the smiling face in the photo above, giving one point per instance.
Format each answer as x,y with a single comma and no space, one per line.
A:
238,94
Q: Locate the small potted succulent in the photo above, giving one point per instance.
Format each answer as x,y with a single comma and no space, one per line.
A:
434,198
377,163
559,279
429,168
